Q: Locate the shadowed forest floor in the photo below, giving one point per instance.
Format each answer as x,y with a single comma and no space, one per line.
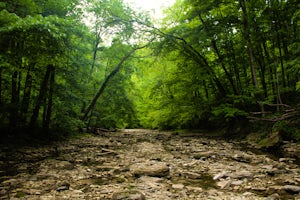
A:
145,164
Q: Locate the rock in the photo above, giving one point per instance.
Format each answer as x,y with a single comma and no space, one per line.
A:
223,184
191,175
220,175
289,160
246,194
164,169
273,197
291,188
128,195
241,175
242,158
237,183
178,186
272,140
63,186
203,155
154,168
151,179
194,189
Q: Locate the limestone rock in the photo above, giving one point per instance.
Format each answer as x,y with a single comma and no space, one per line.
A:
178,186
203,155
241,158
237,183
241,175
154,168
63,186
192,175
273,197
291,188
220,175
128,195
224,184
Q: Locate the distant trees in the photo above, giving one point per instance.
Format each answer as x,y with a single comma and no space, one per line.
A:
220,59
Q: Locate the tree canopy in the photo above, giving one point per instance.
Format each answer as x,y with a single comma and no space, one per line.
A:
99,63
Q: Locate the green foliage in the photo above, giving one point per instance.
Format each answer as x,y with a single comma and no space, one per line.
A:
227,113
288,129
199,71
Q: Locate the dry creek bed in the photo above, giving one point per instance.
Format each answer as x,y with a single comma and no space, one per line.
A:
144,164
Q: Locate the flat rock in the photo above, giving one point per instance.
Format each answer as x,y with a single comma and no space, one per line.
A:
241,175
291,188
178,186
273,197
128,195
192,175
154,168
220,175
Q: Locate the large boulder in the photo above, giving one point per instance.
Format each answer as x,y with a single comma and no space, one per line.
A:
271,140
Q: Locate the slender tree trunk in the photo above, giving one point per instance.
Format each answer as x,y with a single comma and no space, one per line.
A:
104,84
14,88
262,64
221,61
234,62
201,60
281,63
269,62
278,36
95,51
220,57
196,56
1,70
42,93
46,122
206,90
249,42
44,109
107,79
14,100
27,91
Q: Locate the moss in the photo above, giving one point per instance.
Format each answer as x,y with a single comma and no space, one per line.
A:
271,140
20,194
206,181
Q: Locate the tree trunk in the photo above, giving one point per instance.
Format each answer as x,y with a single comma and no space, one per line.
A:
27,91
46,122
42,93
249,42
220,58
228,75
95,51
14,100
1,69
201,60
104,84
231,52
278,38
262,64
107,79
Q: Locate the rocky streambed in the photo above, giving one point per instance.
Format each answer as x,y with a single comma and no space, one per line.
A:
144,164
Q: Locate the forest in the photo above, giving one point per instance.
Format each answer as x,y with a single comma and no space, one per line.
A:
230,65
